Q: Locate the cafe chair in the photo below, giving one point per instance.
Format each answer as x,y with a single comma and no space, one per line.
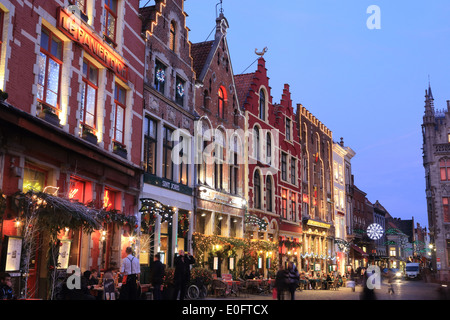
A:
243,288
219,287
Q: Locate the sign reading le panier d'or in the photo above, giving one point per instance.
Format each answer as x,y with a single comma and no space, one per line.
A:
77,31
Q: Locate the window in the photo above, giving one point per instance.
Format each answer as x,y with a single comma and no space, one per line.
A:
256,143
341,174
119,113
167,153
335,170
34,179
294,206
2,14
50,62
221,103
284,203
219,160
341,199
336,197
160,76
184,167
446,211
172,38
268,149
81,4
150,139
89,94
269,194
283,166
111,19
392,252
445,169
293,175
262,105
179,91
288,129
257,190
234,168
77,190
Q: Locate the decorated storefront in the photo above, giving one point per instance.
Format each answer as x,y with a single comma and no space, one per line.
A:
317,254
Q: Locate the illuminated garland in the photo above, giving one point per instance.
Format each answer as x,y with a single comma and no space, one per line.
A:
289,244
183,224
149,209
160,75
256,221
342,244
180,89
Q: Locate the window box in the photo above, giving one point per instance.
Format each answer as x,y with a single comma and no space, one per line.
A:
120,150
48,114
89,135
3,95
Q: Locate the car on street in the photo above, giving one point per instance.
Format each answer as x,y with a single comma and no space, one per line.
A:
398,274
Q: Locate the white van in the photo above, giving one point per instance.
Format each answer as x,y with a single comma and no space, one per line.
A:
412,270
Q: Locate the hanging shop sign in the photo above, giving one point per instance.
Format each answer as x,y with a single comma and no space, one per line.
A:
167,184
318,224
78,31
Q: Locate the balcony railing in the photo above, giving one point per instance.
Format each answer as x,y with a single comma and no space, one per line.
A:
443,148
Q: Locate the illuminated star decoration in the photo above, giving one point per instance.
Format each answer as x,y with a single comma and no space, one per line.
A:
375,231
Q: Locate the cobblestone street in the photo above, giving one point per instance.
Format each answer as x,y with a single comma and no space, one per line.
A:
404,290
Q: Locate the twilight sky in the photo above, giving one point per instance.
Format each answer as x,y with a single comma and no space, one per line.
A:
367,86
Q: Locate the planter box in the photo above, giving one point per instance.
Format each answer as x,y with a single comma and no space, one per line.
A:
50,117
90,137
121,152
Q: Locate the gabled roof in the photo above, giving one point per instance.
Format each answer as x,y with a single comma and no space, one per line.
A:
147,16
200,52
243,83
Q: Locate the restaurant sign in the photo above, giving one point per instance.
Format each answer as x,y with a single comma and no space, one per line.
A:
167,184
318,224
78,31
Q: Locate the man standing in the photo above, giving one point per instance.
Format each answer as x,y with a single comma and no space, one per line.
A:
182,273
157,276
131,271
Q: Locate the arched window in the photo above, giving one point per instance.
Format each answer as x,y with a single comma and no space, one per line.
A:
262,105
172,36
234,168
256,143
257,190
221,102
269,194
268,149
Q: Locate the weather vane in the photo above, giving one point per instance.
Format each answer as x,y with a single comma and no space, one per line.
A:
221,8
262,52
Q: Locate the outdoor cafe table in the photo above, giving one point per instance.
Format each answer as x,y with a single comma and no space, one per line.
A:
255,283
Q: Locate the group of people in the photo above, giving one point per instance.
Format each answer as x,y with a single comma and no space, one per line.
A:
287,280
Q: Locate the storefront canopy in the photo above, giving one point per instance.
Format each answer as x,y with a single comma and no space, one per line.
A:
359,250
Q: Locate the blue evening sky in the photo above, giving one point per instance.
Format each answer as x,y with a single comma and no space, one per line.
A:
367,86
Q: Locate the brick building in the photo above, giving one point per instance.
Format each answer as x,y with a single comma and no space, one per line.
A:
317,188
72,120
168,125
219,186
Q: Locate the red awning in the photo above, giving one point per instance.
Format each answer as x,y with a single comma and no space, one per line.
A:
359,250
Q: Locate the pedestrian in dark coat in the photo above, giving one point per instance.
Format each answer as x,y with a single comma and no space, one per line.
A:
182,274
157,276
294,279
281,282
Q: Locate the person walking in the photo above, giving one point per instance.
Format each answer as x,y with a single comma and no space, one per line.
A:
390,282
294,279
157,276
131,271
182,274
281,282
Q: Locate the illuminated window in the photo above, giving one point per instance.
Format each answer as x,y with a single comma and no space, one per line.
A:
50,62
119,114
257,190
150,139
89,94
184,167
167,153
294,206
77,190
160,76
219,159
392,252
284,203
262,105
179,91
445,169
111,19
109,199
172,39
446,211
221,103
34,179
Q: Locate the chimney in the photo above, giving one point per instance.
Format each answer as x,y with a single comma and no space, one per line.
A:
342,142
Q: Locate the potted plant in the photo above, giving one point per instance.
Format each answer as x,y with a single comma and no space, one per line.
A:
120,150
89,135
168,284
3,95
48,114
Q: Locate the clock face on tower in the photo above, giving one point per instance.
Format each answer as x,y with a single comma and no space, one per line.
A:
375,231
